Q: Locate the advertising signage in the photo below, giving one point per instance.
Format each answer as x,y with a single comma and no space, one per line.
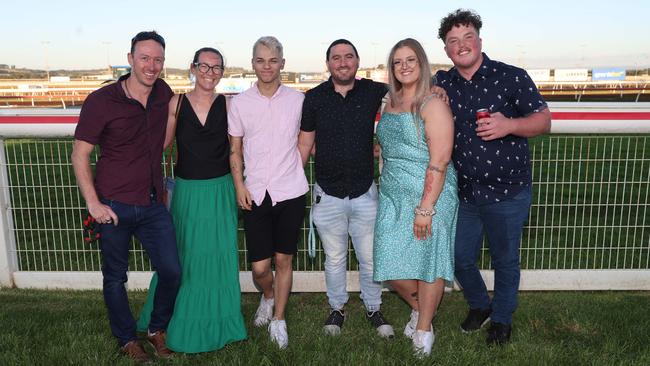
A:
604,74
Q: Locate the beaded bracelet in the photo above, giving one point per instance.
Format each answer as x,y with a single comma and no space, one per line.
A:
424,212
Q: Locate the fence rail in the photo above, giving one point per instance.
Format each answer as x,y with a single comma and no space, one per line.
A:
588,227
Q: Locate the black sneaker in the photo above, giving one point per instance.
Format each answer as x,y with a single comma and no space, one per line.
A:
498,334
334,322
376,318
475,320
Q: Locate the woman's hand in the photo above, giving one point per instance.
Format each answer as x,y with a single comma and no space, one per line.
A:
244,198
422,226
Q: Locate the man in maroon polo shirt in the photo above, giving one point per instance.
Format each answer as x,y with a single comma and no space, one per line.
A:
127,120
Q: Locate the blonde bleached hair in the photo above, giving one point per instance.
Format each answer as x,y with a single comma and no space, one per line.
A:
423,87
269,42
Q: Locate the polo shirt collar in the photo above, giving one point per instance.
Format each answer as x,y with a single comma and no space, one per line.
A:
120,89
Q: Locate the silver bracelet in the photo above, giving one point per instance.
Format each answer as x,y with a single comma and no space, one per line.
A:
423,212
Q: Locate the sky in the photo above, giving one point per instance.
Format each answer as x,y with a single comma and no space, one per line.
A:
65,34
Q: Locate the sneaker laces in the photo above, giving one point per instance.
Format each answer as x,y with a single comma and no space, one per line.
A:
376,318
336,317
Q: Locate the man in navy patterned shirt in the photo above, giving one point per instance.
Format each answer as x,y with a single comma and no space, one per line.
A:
492,159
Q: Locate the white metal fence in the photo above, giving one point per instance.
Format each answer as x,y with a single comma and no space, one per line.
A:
588,228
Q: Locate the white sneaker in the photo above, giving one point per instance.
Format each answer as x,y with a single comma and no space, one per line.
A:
278,333
409,329
422,342
264,312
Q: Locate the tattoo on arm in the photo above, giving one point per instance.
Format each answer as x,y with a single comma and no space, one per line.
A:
236,163
434,168
428,183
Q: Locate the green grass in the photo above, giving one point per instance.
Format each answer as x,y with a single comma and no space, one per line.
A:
555,328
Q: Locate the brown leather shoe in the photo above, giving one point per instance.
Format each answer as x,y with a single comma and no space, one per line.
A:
157,340
135,351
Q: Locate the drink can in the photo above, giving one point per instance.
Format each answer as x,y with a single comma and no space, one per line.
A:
482,113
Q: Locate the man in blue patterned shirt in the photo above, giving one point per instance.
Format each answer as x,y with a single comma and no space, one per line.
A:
492,159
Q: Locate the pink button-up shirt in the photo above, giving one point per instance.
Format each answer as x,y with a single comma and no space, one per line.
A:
269,127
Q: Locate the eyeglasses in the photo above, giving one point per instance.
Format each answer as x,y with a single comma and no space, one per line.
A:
204,68
409,63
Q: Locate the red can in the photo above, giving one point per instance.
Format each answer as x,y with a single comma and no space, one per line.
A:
482,113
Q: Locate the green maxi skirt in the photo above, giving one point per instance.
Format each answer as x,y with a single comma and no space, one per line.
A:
207,314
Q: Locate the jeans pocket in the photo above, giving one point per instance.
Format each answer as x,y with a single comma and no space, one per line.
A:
107,202
317,195
372,191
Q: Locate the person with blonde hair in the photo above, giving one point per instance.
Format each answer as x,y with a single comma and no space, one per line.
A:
416,219
263,123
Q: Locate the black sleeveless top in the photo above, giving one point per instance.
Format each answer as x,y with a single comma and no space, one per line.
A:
203,150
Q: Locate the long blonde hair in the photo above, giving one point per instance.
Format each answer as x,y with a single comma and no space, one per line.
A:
423,88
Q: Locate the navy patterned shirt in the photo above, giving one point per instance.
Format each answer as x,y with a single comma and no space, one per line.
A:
490,171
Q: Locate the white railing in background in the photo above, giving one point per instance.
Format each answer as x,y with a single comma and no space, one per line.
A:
589,226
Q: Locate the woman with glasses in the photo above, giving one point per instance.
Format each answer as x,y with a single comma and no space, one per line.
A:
207,314
416,219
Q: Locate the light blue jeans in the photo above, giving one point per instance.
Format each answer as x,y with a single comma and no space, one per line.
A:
335,219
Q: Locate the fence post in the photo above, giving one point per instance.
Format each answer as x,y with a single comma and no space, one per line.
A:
8,254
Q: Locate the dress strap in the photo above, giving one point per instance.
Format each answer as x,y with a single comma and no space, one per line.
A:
425,101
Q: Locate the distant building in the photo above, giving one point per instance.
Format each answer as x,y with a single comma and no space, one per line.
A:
288,77
118,71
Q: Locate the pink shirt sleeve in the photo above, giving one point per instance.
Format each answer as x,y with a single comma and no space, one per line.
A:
235,127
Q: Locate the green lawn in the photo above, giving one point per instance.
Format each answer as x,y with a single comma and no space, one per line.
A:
553,328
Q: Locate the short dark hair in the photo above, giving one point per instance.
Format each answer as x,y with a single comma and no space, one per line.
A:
207,49
338,42
459,17
146,36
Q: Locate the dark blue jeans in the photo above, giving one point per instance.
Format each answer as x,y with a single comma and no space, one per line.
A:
152,225
503,223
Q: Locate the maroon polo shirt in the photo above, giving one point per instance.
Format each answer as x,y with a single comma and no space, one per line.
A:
130,138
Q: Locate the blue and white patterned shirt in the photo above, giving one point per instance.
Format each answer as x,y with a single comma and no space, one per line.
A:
490,171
